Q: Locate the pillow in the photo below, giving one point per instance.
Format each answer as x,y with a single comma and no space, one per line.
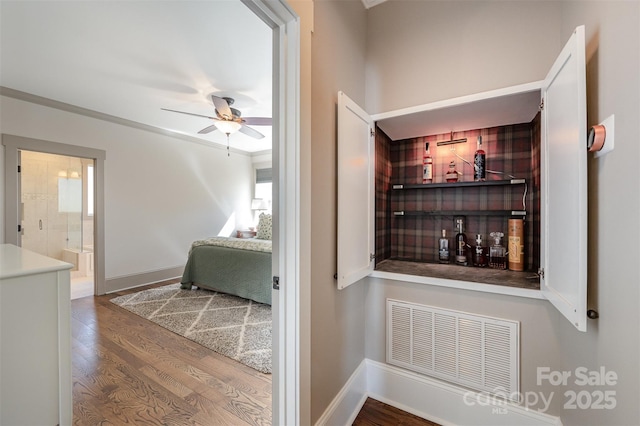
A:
263,230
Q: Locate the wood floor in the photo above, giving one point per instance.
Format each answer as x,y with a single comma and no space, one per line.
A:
129,371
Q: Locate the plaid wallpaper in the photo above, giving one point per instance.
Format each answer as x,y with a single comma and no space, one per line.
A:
512,151
383,192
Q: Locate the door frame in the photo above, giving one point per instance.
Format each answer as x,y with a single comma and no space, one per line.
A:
12,145
285,24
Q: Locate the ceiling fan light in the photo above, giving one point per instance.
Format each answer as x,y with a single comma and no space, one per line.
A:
228,126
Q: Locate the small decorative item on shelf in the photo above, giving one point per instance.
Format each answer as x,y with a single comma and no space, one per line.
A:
497,252
443,248
427,165
452,174
516,244
479,253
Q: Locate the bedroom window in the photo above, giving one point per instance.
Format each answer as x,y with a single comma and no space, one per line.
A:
263,186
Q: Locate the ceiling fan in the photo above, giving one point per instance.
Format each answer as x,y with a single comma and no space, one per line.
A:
229,120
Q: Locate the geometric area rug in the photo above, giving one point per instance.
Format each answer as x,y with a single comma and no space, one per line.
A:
232,326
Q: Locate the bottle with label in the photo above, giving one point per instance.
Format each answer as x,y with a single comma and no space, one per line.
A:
461,243
516,244
479,252
452,174
443,248
497,252
479,163
427,165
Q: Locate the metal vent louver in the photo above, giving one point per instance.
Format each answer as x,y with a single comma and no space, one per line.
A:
474,351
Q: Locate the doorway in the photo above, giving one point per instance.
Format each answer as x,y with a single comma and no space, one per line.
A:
57,212
52,224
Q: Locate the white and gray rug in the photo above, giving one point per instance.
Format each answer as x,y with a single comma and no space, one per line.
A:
232,326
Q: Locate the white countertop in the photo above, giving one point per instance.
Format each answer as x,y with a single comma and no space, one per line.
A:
16,261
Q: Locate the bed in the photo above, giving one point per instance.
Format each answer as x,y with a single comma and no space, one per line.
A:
241,267
237,266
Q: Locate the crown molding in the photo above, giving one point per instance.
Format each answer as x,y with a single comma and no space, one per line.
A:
74,109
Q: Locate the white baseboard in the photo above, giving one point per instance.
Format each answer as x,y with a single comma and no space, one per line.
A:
136,280
347,404
425,397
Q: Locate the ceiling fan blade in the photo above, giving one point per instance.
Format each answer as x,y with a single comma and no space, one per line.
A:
208,129
257,121
190,113
251,132
222,107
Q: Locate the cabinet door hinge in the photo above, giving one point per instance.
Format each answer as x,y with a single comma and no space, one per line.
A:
19,169
372,256
19,228
541,107
276,283
541,272
371,131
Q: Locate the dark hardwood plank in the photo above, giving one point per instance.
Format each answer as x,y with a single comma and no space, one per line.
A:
376,413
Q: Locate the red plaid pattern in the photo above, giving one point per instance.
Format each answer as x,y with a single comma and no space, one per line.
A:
513,150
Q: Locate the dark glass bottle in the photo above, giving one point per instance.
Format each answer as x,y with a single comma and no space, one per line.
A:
479,252
480,163
461,243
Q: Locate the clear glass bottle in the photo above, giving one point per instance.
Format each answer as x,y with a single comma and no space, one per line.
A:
480,162
452,174
461,243
479,252
427,165
443,248
497,253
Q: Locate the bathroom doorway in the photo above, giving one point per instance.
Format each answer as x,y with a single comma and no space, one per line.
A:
57,213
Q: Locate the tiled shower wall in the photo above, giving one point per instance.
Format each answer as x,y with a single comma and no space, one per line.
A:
47,230
512,152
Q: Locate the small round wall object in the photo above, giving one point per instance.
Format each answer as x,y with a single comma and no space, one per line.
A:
595,140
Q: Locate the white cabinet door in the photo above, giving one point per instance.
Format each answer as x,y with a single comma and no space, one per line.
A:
355,193
564,183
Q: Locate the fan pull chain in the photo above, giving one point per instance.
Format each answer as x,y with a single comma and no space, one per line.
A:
228,154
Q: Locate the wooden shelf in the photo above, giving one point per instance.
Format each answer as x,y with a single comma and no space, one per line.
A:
526,279
503,182
518,213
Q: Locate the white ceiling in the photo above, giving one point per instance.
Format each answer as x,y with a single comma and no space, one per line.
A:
131,58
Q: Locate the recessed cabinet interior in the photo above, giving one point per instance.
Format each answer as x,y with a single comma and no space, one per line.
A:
534,135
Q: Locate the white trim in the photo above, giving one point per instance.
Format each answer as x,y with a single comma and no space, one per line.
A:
344,408
126,282
462,285
368,4
286,206
461,100
425,397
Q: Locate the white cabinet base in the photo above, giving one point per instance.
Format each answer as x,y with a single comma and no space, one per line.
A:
35,339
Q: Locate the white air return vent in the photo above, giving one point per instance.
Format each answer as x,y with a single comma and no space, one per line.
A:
478,352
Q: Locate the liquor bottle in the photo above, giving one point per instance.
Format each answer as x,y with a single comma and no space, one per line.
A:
461,243
443,248
497,253
516,244
427,165
452,174
479,253
479,162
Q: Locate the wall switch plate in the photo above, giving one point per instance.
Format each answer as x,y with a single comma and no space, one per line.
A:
609,139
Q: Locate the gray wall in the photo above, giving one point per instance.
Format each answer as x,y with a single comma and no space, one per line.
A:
424,51
337,327
161,193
